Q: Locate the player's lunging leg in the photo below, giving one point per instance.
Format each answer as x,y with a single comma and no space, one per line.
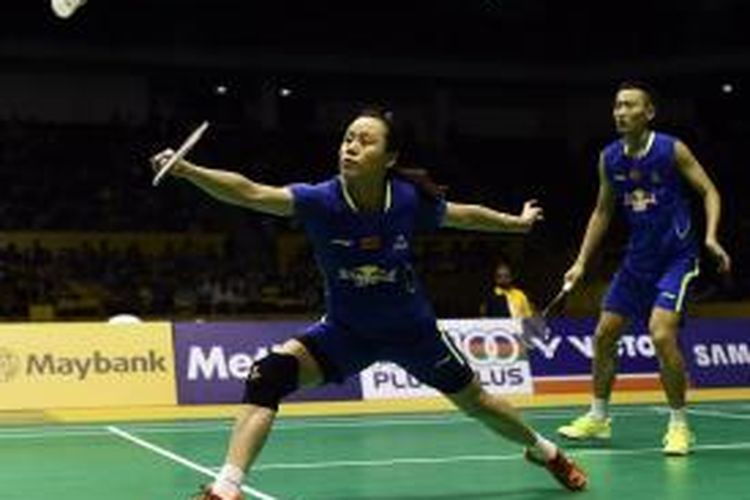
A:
270,380
499,416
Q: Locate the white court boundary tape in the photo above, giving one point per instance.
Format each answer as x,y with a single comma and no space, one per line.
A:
180,460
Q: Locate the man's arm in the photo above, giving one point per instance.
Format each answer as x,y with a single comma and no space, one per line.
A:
481,218
696,177
597,226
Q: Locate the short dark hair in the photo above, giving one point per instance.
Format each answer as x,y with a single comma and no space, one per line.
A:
644,87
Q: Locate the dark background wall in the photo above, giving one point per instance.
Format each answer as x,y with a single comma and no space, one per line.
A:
502,100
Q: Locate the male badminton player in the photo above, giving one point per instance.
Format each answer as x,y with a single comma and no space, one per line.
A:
361,224
643,174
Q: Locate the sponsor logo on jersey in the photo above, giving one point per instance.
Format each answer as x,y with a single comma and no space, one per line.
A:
635,175
669,295
640,200
342,243
368,275
401,243
370,243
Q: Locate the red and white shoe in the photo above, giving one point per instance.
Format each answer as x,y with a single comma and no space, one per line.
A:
207,493
564,470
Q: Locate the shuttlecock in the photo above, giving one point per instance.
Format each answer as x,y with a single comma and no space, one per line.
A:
124,319
66,8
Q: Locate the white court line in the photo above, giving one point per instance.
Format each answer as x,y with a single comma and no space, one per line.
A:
365,421
185,428
474,458
719,414
62,431
724,407
288,422
180,460
45,435
707,413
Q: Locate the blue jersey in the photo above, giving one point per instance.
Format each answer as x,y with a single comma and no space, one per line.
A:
366,258
649,189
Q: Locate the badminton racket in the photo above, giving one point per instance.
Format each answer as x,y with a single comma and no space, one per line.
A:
184,149
536,326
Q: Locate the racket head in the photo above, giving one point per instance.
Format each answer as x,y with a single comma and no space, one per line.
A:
534,328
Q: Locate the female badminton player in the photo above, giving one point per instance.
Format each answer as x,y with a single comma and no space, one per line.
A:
361,224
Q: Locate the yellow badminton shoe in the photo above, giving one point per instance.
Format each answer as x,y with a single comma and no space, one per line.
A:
587,427
678,439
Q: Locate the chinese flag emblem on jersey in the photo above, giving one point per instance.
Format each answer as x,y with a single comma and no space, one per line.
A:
370,243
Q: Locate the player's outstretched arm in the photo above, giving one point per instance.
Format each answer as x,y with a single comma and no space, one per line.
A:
597,226
481,218
231,187
696,176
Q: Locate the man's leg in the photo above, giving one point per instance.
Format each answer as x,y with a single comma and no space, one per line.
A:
605,361
665,326
596,424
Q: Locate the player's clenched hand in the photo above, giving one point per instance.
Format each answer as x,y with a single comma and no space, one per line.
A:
721,256
574,275
160,159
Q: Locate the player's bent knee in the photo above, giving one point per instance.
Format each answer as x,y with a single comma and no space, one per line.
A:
271,379
663,339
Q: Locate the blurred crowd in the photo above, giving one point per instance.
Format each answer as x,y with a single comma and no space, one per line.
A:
100,282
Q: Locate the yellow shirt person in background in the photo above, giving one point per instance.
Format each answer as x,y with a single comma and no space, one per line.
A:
505,300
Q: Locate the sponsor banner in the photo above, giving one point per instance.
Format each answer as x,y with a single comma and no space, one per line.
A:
717,352
491,348
67,365
213,360
569,350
